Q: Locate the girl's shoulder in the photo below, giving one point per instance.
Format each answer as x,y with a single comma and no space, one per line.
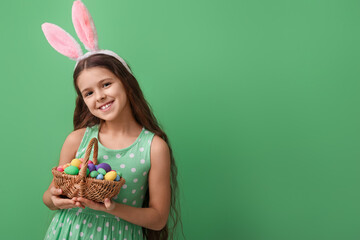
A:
76,136
73,140
70,146
158,143
159,150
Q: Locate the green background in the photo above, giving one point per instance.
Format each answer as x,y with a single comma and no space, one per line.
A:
260,100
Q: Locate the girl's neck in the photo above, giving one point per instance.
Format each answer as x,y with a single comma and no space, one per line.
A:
124,125
120,128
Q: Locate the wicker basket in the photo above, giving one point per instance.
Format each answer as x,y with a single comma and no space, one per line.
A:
82,186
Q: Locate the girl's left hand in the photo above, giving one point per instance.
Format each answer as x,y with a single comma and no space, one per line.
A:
108,205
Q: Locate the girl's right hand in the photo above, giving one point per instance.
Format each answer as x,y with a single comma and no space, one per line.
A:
62,203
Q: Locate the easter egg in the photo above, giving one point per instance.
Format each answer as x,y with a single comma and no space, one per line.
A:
60,169
81,159
104,166
71,170
66,165
117,178
76,162
90,162
100,176
87,172
94,174
91,167
101,171
110,176
119,173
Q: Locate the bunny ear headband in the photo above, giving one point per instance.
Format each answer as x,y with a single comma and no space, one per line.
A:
65,44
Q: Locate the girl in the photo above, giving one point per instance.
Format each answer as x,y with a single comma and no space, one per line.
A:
110,106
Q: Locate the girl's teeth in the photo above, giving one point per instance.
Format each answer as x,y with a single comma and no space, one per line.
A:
106,106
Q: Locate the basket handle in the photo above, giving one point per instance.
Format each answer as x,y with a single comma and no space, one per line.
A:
93,142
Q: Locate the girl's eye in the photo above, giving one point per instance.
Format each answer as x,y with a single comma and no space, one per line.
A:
107,84
88,94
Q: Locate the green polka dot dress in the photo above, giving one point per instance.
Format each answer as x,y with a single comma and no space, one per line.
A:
134,164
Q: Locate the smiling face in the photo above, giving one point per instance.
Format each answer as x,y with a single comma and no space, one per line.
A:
103,93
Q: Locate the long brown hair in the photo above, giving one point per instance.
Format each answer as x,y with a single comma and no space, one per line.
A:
142,114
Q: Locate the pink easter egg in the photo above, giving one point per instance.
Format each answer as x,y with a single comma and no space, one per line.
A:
60,169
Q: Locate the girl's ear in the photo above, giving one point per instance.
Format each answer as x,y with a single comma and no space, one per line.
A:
84,26
61,41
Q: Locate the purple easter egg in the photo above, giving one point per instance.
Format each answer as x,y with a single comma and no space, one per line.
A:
91,167
104,166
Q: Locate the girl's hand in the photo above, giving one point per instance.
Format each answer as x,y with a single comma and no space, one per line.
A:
63,203
108,205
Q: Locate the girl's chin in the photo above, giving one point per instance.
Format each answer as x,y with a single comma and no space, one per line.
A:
109,117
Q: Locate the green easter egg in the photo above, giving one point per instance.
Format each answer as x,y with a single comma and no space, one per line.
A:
94,174
87,172
119,173
102,171
71,170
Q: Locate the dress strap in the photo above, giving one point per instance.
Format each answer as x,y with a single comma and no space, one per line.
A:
90,132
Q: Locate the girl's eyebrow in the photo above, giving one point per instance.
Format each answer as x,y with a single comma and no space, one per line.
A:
99,83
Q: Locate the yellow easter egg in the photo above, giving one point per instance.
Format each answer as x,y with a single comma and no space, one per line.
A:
110,176
76,162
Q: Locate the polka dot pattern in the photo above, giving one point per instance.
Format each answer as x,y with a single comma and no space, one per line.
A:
133,163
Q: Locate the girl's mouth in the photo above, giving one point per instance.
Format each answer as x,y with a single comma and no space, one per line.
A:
106,106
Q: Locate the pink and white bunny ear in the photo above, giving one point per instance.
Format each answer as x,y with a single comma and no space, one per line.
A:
84,26
61,41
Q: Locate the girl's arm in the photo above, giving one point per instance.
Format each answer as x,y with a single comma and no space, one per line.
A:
155,216
51,197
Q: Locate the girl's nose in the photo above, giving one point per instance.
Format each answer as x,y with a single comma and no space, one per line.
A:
100,96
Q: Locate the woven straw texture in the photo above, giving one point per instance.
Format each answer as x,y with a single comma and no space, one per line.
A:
82,186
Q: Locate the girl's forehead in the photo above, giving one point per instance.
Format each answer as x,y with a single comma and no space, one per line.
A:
91,76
